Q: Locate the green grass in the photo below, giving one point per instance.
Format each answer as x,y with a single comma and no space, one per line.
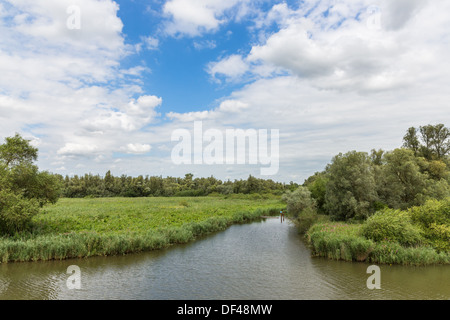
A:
76,228
343,241
417,236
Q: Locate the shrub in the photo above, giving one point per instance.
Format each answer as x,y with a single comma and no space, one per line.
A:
16,212
299,201
433,211
434,220
184,203
392,225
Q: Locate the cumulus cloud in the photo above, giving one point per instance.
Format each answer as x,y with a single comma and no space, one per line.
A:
128,118
332,82
331,76
137,148
232,68
333,45
76,149
195,17
65,87
226,108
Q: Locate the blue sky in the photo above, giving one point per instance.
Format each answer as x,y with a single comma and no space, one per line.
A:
178,64
330,76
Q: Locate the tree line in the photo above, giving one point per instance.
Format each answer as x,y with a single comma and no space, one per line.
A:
357,184
89,185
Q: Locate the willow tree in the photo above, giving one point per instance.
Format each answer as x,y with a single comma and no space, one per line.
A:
350,189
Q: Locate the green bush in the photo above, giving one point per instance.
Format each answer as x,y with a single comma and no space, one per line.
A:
392,225
16,212
434,220
433,211
299,201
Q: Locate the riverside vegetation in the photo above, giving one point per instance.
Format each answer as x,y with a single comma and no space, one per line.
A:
36,225
383,207
79,228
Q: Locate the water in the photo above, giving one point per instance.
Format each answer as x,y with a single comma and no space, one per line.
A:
262,260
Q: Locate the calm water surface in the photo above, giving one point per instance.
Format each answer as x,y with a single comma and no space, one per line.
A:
262,260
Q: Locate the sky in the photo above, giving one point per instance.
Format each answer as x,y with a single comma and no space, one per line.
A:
102,85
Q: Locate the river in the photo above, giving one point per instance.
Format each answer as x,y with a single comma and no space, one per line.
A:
261,260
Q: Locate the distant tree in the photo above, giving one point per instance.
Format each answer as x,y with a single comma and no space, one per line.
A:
376,156
441,140
427,134
432,144
411,140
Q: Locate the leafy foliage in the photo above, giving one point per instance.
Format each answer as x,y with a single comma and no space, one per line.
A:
127,186
23,189
350,189
299,201
392,225
434,219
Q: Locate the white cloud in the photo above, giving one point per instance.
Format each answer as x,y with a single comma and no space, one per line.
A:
341,51
232,68
131,117
190,116
150,42
333,84
66,88
232,106
205,44
137,148
226,108
325,79
76,149
195,17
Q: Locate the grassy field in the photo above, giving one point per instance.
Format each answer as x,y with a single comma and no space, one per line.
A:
76,228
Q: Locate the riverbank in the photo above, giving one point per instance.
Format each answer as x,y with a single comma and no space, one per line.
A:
81,228
417,236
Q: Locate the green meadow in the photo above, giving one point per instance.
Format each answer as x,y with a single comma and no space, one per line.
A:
78,228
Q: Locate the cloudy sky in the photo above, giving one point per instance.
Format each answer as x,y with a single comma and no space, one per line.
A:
102,85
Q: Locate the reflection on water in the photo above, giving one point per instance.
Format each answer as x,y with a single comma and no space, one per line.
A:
262,260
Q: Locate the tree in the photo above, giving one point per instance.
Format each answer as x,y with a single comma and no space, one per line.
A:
441,140
299,201
23,189
427,133
317,185
350,190
411,140
17,150
43,186
436,139
15,212
403,182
